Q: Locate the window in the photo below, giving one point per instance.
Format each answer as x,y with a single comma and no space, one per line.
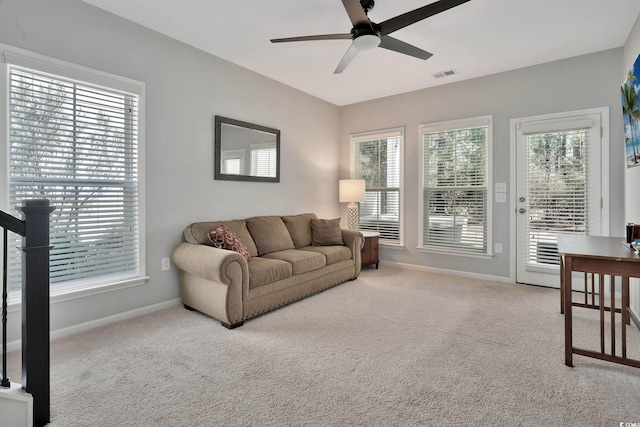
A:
456,214
77,143
376,158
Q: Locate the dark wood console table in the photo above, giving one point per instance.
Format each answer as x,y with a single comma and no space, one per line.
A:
599,256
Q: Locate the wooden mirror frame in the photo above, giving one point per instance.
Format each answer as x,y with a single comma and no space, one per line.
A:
219,143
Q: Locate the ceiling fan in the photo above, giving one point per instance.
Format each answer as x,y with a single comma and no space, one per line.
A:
368,35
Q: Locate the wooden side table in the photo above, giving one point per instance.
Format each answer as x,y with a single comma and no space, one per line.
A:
370,250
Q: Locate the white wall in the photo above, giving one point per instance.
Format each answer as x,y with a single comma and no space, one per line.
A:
571,84
632,175
185,88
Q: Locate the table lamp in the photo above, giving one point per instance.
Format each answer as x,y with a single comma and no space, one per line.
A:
352,191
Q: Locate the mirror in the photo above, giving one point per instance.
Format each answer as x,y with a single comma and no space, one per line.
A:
245,151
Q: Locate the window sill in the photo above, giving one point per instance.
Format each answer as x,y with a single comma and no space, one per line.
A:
453,252
75,293
387,244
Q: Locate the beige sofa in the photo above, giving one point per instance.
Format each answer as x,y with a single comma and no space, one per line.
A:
290,257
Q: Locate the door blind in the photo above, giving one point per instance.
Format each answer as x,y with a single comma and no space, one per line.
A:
557,191
77,145
455,189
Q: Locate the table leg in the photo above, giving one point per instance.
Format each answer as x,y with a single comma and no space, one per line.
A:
601,304
561,284
568,333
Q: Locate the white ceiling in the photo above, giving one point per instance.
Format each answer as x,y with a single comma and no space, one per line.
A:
477,38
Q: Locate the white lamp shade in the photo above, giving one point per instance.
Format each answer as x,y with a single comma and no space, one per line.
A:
351,190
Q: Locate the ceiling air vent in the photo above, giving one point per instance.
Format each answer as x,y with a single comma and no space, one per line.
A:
447,73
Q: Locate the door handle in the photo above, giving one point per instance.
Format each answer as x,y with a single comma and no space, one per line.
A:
522,210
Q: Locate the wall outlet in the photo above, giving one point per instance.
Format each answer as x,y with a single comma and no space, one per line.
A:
498,248
501,198
166,264
500,187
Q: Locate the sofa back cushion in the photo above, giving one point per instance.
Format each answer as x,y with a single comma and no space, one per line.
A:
270,234
299,227
198,231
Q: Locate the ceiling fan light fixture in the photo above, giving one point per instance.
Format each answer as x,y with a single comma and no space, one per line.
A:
367,35
366,42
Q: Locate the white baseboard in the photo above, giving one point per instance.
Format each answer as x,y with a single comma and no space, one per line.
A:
451,272
16,345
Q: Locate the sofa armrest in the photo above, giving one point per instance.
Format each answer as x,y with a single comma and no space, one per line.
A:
354,240
213,281
213,264
206,261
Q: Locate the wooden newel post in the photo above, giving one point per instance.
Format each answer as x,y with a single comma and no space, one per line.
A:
35,307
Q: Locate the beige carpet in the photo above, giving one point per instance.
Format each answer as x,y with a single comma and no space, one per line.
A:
397,347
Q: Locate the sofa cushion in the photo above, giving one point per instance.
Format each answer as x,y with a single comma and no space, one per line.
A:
269,233
325,232
263,271
299,227
224,238
333,254
301,261
197,233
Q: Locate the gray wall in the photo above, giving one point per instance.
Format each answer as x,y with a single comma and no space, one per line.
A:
577,83
185,88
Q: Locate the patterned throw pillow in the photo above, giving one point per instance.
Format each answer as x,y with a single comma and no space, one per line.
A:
224,238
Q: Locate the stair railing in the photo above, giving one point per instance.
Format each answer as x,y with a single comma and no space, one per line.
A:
35,303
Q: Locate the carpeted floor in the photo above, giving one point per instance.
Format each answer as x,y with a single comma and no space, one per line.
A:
397,347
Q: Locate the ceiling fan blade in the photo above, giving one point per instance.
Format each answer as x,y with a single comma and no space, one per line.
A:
346,59
356,13
401,21
345,36
396,45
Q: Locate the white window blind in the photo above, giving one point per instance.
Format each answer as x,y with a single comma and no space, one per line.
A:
455,175
558,200
376,159
263,160
77,145
231,166
233,162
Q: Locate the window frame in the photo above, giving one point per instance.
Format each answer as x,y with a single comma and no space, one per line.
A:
452,125
63,70
381,134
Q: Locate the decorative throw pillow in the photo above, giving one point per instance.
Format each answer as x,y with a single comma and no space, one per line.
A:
223,238
326,232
